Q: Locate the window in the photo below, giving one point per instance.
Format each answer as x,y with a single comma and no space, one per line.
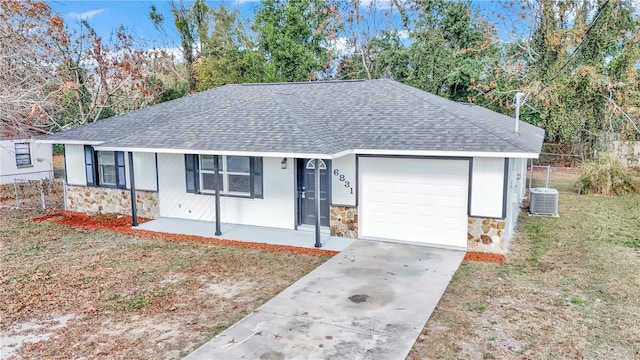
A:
237,175
104,168
107,168
23,154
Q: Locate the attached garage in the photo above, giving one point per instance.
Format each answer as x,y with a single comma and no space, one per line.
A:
414,200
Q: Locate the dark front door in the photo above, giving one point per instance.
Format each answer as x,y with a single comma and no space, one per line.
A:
307,194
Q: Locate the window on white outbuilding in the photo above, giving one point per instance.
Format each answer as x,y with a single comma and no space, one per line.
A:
23,154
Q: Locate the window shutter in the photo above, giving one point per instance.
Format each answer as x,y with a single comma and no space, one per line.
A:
256,177
191,171
89,161
121,179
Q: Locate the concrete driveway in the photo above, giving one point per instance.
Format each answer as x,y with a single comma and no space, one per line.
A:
369,302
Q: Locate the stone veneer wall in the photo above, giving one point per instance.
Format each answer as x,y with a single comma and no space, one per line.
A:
486,235
101,200
343,221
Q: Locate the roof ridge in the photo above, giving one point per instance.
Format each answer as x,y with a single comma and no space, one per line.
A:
412,91
301,82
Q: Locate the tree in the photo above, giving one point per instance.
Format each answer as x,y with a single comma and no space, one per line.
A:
294,37
31,38
449,46
578,68
442,47
102,79
383,56
52,79
374,45
229,55
192,24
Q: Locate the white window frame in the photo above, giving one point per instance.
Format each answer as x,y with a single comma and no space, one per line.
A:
224,172
107,158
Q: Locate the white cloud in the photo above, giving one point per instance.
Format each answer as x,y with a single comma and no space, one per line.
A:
341,47
382,4
173,52
86,14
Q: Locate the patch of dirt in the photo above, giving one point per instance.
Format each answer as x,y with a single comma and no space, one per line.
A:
29,332
227,289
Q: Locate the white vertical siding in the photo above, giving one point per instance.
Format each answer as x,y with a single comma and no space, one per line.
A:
144,169
276,209
487,187
174,199
74,165
515,193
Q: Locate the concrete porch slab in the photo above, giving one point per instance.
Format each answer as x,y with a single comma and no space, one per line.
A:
258,234
369,302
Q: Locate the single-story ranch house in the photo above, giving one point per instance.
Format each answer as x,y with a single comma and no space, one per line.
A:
372,159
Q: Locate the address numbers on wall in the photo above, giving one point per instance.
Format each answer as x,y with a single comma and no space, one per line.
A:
343,178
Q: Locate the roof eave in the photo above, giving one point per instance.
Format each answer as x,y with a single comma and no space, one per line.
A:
288,154
283,154
68,142
447,153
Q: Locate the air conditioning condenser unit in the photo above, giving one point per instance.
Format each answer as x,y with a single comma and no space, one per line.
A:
543,201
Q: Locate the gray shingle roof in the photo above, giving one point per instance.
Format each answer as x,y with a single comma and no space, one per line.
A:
312,118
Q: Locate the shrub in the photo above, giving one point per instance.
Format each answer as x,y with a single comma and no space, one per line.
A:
606,175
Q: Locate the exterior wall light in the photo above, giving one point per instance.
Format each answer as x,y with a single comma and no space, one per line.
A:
283,164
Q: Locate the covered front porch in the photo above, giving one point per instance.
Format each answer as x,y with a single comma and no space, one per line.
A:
258,234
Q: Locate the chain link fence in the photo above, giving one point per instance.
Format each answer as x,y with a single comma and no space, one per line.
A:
33,194
561,154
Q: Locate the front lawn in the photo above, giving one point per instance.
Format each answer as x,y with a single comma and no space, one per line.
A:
68,293
570,288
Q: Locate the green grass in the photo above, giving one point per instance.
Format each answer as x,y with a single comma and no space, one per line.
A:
479,308
578,301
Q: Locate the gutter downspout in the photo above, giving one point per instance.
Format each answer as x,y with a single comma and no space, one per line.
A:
316,173
217,174
132,183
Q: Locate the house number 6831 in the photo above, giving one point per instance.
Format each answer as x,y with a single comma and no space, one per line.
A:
341,177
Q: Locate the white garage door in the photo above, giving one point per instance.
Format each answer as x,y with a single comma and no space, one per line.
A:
415,200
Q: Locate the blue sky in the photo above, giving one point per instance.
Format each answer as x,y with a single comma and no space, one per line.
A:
106,16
